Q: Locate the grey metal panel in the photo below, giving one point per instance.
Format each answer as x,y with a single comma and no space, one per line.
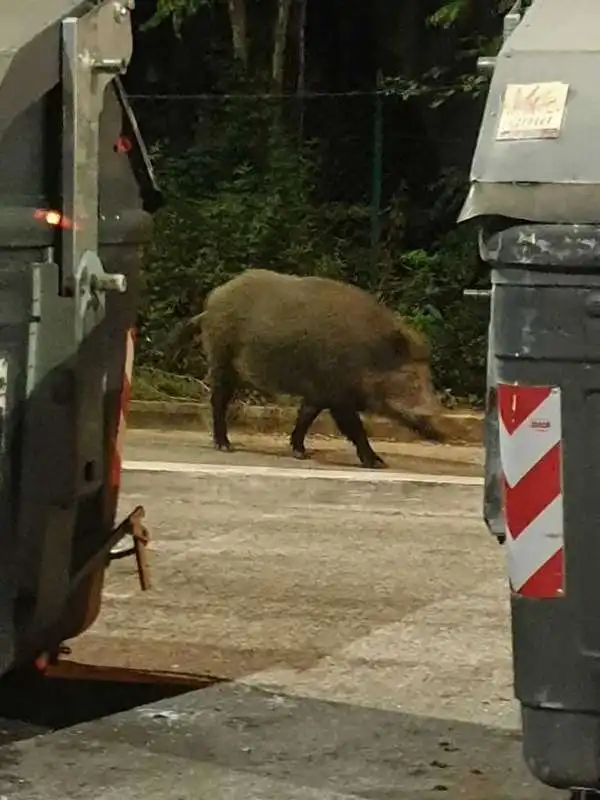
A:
568,249
15,308
553,180
545,323
58,515
572,158
493,511
23,21
544,202
22,181
551,25
95,49
30,52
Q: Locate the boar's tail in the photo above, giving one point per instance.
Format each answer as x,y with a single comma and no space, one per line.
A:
183,333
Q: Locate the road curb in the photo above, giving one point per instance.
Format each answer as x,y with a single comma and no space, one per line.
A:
460,428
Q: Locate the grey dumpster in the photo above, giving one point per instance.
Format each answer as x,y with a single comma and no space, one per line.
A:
535,187
75,201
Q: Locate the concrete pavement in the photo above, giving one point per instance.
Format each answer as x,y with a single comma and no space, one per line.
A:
372,587
234,742
361,617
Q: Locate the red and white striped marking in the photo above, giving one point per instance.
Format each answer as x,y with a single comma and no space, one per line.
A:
531,455
117,460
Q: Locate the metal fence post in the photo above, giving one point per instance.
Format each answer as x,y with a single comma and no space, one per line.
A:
377,173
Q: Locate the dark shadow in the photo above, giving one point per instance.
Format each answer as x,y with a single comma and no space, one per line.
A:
31,704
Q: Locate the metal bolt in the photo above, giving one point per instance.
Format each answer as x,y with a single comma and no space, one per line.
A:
486,64
109,282
122,10
112,66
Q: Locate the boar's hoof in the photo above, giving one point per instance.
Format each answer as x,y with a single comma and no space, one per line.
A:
373,462
301,455
224,446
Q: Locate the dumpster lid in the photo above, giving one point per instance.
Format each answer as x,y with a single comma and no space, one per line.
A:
552,25
30,51
552,173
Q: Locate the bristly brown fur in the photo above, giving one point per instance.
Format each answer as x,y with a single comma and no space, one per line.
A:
414,343
327,342
305,336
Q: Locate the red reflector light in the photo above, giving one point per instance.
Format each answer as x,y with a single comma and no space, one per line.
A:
51,217
42,662
123,145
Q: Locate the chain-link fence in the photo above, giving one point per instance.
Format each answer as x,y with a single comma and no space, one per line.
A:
366,151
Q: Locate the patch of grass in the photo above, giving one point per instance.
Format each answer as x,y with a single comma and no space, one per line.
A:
155,384
150,383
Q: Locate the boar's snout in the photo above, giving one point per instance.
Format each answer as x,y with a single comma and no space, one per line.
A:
411,400
412,388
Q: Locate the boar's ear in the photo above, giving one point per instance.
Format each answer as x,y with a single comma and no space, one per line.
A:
410,343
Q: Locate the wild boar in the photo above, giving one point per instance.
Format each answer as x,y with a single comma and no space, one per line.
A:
327,342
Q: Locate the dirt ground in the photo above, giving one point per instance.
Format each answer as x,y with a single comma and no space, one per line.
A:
323,452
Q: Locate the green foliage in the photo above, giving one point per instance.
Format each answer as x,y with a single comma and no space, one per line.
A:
445,82
177,11
150,383
434,88
428,288
451,12
243,195
240,197
242,191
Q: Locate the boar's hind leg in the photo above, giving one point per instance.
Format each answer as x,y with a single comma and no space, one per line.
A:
223,385
350,425
307,414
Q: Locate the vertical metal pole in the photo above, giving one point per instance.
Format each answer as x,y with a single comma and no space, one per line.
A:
79,159
377,174
95,49
83,97
301,85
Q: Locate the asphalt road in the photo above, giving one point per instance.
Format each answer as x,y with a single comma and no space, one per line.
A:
361,618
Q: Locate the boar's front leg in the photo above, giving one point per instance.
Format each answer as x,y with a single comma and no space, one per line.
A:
307,414
350,425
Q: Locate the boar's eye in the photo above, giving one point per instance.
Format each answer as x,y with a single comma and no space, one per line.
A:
411,344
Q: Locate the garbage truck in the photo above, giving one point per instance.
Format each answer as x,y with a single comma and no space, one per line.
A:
77,194
535,194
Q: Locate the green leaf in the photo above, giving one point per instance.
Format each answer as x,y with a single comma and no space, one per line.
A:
448,14
175,10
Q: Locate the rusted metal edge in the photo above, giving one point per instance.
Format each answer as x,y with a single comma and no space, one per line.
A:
133,526
75,670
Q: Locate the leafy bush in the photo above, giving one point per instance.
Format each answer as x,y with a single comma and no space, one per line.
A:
428,288
243,209
243,195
